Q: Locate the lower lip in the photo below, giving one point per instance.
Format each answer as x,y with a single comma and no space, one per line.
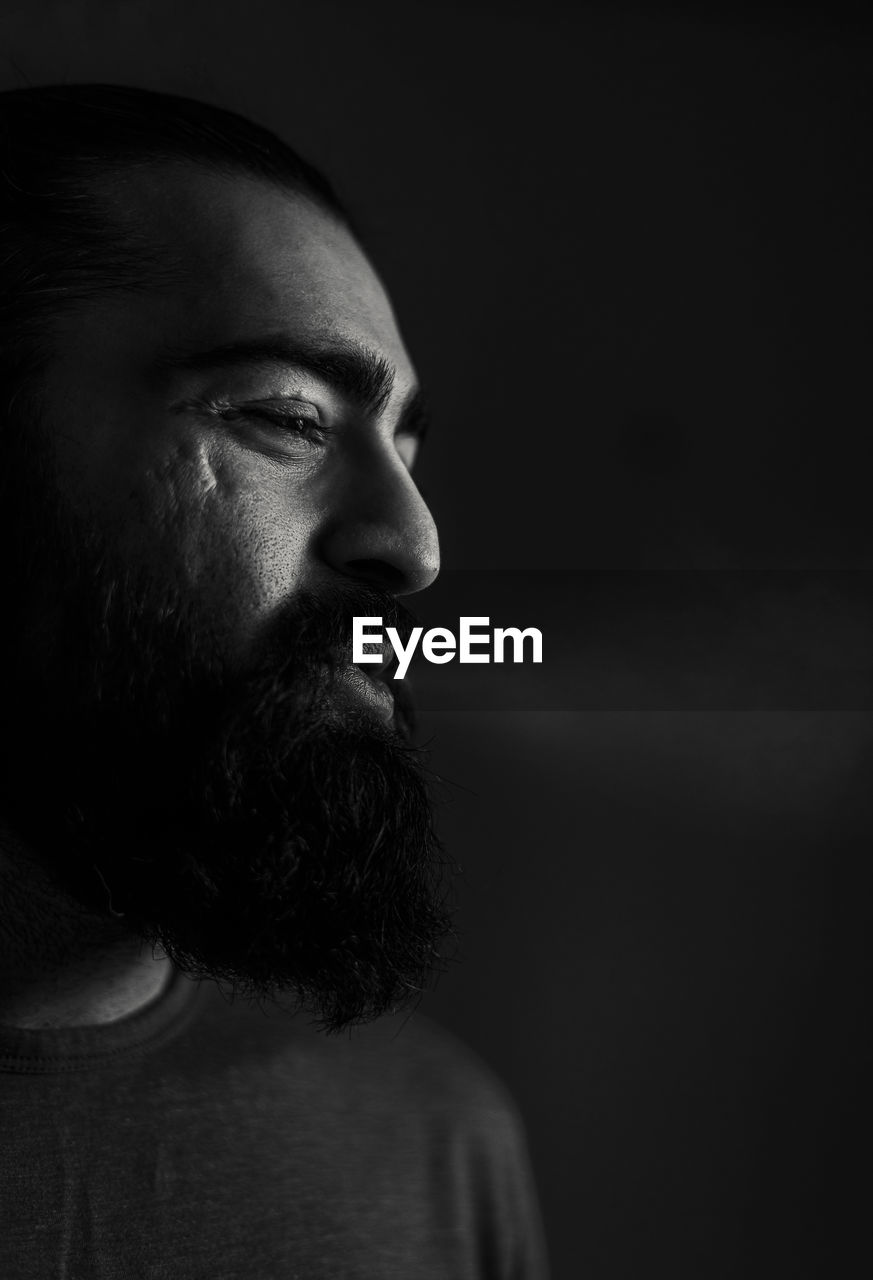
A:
374,693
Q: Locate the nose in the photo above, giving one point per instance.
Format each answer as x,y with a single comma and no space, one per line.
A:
380,530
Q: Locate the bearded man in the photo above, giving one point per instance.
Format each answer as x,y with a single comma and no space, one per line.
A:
216,840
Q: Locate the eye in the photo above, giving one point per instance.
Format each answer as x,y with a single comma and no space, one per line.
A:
286,416
288,424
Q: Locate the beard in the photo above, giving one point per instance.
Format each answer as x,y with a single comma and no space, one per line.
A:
243,815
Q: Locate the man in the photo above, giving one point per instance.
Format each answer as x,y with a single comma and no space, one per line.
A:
210,424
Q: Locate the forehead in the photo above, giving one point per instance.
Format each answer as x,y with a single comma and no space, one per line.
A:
249,258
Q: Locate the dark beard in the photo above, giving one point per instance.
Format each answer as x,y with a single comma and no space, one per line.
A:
241,815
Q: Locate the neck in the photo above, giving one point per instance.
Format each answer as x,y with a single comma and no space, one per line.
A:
60,964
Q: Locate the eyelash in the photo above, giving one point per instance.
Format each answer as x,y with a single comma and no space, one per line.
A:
280,415
312,431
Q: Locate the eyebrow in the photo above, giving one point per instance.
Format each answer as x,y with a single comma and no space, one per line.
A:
358,373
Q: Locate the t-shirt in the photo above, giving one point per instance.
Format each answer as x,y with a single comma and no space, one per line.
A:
214,1139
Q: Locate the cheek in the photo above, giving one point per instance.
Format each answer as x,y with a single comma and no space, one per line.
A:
236,542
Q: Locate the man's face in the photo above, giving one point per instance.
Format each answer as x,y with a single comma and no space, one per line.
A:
229,458
222,427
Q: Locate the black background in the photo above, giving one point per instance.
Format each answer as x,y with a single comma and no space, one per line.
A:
630,251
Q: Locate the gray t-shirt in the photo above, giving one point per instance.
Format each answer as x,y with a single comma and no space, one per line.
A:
210,1139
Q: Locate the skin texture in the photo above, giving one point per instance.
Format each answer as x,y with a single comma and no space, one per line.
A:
190,479
245,513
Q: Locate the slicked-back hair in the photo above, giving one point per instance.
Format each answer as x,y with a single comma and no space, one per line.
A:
61,146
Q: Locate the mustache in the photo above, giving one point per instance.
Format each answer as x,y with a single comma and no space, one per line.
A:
310,641
315,629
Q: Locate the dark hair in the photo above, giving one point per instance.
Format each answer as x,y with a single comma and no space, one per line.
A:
59,239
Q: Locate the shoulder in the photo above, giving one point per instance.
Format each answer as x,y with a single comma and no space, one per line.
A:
422,1057
405,1061
399,1115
